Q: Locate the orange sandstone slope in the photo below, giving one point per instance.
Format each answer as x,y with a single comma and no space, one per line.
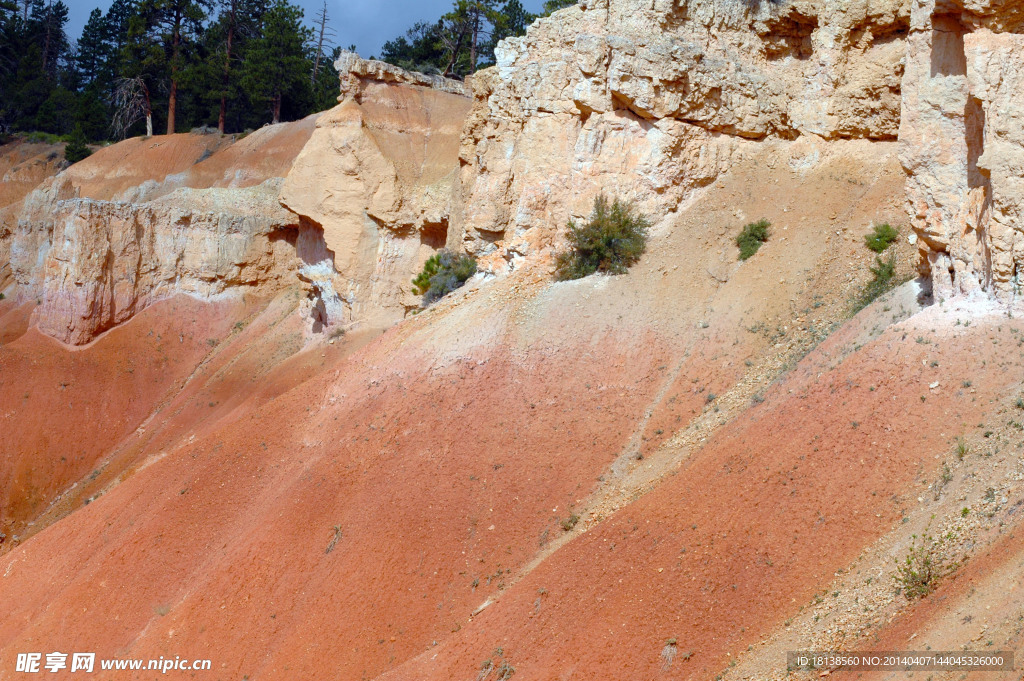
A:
66,413
346,514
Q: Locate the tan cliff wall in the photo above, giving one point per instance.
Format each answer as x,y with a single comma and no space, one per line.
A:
651,100
149,218
962,144
347,204
379,177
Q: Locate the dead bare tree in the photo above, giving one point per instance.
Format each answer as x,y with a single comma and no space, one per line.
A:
326,34
131,104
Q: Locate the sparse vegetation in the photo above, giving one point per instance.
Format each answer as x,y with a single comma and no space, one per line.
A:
570,522
882,280
881,237
443,273
919,572
611,241
497,665
751,238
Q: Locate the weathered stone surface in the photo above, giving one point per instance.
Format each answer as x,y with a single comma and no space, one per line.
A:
379,177
109,260
149,218
650,100
962,145
356,72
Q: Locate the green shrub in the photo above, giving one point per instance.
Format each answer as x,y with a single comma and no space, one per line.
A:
612,241
919,572
43,138
883,276
443,273
881,237
751,238
76,148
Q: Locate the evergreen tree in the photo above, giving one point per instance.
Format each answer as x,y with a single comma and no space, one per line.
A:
76,148
510,21
555,5
418,50
174,24
276,63
95,53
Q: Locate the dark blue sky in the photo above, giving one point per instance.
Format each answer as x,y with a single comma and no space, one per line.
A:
366,23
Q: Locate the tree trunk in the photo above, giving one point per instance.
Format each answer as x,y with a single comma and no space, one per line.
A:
476,34
46,40
319,46
277,109
172,103
227,70
455,55
149,112
172,98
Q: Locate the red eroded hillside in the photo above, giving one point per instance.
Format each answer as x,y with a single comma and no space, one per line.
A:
344,510
255,446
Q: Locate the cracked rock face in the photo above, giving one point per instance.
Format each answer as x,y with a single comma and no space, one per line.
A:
150,218
962,145
379,177
650,100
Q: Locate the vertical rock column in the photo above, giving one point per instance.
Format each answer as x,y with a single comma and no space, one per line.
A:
960,143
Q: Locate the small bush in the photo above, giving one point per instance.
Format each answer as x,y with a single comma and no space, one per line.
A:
43,138
612,241
443,273
881,237
751,238
76,148
883,276
569,523
921,569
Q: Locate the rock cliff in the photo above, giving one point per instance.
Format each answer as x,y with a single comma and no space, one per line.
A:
347,204
379,176
650,100
962,144
149,218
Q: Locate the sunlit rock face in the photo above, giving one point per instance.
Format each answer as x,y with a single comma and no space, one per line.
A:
649,101
961,143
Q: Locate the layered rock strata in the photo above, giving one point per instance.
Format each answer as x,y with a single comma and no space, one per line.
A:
962,144
650,100
150,218
379,176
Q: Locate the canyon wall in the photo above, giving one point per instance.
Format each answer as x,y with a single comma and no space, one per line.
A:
651,100
644,100
962,144
347,205
379,177
149,218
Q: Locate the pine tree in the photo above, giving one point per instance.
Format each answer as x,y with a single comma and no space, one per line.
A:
555,5
510,21
276,63
76,148
175,24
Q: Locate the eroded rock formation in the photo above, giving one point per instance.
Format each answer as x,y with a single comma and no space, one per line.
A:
368,197
962,144
649,101
149,218
379,176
